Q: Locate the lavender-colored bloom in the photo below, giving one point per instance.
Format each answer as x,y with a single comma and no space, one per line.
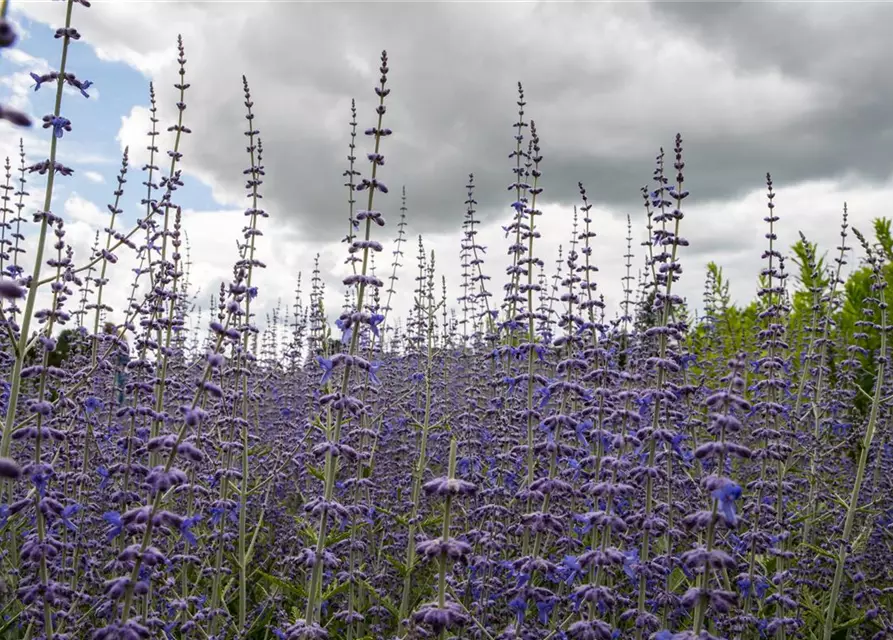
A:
130,630
347,331
186,529
590,630
301,630
328,368
7,34
39,80
10,290
449,617
59,124
449,486
726,495
631,563
14,116
67,513
518,605
373,372
104,474
92,404
375,320
117,525
10,469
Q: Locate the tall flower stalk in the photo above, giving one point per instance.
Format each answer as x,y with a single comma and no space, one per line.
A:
665,271
50,167
341,402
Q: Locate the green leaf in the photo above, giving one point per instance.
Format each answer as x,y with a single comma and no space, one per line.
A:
815,611
403,522
259,450
843,503
305,530
293,589
10,622
433,520
335,538
399,566
820,551
677,579
849,623
316,473
334,591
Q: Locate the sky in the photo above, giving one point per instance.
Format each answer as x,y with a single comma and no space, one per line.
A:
801,90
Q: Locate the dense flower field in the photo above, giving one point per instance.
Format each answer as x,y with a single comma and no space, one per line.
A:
518,463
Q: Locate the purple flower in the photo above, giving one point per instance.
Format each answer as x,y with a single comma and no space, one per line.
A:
216,515
581,428
17,118
328,368
7,34
725,496
373,371
519,606
631,563
439,618
91,404
573,568
186,529
40,79
10,290
544,610
59,124
744,585
374,321
104,474
67,513
9,469
445,486
85,84
40,477
347,330
114,519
